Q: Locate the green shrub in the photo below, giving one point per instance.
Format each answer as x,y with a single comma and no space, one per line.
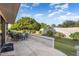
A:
24,31
33,31
75,36
58,34
49,33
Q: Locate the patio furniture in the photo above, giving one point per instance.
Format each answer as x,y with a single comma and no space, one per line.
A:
18,36
24,36
14,36
7,47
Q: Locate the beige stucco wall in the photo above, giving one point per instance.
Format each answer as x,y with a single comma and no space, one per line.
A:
67,31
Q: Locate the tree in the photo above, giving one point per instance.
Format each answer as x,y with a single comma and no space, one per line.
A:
26,23
60,25
43,25
15,26
67,23
77,23
53,25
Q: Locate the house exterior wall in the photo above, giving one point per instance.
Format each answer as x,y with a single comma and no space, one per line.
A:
67,31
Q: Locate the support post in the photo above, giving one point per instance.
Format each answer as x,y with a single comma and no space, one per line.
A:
9,46
3,27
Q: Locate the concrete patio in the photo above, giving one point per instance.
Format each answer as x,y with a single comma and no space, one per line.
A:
32,47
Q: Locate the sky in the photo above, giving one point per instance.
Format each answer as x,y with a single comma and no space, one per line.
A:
49,13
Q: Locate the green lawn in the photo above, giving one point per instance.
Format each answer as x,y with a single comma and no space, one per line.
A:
65,45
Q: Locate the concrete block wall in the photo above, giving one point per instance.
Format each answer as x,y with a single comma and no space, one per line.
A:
44,39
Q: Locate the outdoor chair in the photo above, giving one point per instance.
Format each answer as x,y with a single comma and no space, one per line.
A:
14,36
26,35
18,36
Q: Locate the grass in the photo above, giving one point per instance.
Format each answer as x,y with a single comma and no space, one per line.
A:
65,45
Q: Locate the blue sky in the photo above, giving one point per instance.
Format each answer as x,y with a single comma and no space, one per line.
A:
50,13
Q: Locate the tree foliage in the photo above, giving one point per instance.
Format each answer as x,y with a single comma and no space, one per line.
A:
69,23
45,26
26,23
58,34
49,33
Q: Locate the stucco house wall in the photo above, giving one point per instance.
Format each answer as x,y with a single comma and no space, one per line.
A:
67,31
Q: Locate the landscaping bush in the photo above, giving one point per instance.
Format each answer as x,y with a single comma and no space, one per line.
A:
24,31
58,34
49,33
33,31
75,36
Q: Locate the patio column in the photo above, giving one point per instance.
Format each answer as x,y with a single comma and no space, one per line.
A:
4,31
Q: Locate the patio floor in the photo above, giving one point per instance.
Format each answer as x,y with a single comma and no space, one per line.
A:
31,47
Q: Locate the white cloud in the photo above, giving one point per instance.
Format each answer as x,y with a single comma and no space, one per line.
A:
35,4
55,13
59,9
69,16
38,15
63,6
52,4
25,15
25,5
69,13
49,11
30,7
